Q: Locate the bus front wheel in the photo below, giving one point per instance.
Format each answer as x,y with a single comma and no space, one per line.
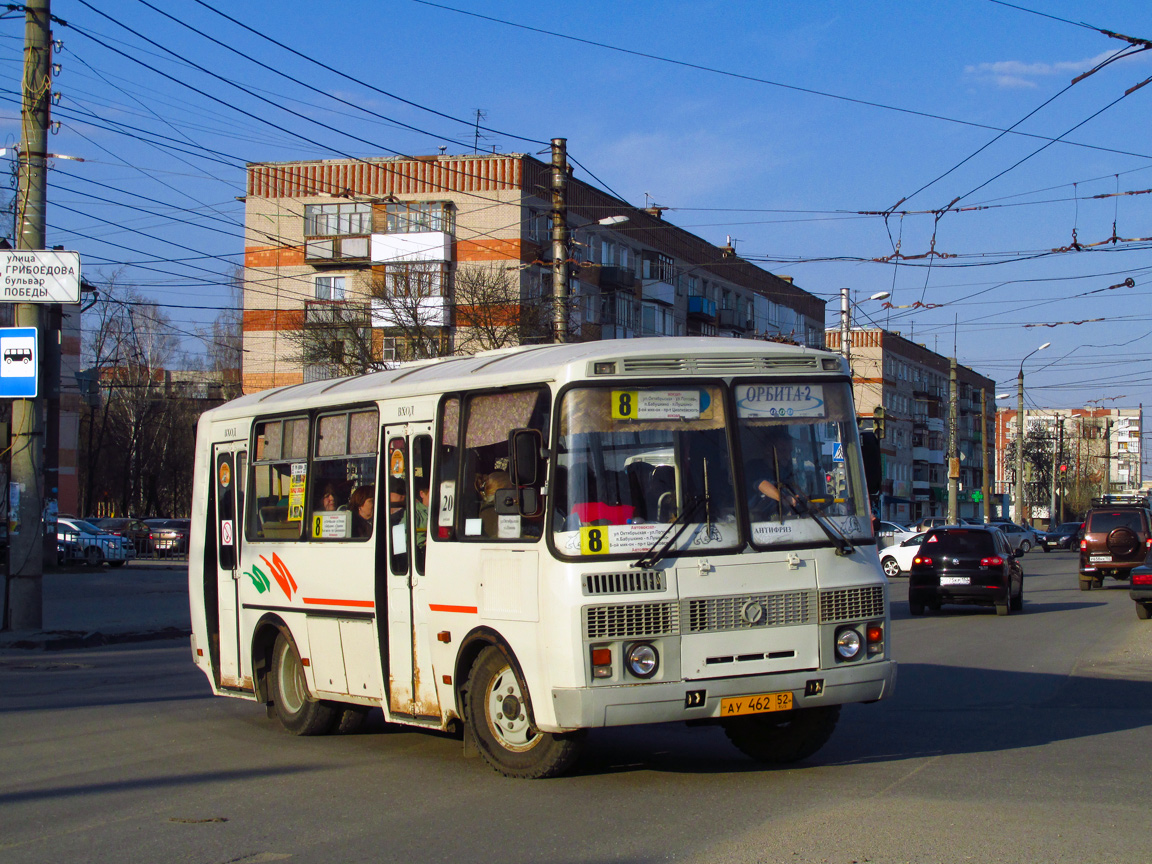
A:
778,739
496,712
296,710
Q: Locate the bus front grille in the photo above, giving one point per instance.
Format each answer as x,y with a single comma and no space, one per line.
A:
631,620
849,604
709,614
631,582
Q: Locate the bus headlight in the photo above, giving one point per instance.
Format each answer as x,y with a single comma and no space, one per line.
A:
848,644
642,660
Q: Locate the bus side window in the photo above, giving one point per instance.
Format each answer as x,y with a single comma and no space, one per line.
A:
421,474
343,460
279,480
489,420
442,518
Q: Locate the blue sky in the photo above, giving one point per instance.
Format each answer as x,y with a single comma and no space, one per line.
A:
878,100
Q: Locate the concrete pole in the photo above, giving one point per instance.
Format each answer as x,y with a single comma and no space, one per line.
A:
985,486
1018,516
1055,474
25,542
560,238
845,328
1063,475
953,457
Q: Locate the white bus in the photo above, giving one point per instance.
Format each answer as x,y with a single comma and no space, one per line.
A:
526,544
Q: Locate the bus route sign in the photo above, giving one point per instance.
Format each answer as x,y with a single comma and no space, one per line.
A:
19,362
34,276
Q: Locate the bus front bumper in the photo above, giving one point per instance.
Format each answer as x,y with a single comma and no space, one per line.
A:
631,704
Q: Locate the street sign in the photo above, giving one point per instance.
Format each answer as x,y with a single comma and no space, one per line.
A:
19,362
837,452
28,276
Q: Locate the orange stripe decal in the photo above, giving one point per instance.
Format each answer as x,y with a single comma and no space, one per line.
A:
437,607
321,601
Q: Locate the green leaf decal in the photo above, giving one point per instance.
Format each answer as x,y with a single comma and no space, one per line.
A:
259,580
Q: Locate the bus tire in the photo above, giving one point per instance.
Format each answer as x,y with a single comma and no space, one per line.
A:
511,744
779,739
297,711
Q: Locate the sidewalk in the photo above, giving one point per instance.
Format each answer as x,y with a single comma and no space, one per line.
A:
90,606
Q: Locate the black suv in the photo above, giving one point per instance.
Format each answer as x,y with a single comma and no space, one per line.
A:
1117,537
968,564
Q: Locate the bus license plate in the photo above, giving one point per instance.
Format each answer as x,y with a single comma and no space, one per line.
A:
955,580
759,704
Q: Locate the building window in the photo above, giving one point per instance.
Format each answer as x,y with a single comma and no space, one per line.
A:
414,280
329,287
406,217
332,220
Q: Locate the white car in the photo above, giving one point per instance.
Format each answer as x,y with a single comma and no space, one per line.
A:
892,534
77,540
898,559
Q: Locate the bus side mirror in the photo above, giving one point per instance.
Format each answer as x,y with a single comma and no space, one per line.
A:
524,449
870,451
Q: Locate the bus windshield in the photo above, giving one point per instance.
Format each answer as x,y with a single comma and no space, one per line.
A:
629,463
799,446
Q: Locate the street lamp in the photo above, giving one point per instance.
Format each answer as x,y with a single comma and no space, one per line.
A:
1020,435
846,322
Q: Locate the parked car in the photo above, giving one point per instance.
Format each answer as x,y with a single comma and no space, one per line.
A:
1063,536
170,536
966,564
891,534
77,540
897,559
134,529
1020,537
1140,590
930,522
1117,538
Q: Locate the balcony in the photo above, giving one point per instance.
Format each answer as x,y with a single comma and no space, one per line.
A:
617,279
336,250
660,292
702,308
731,319
411,247
426,311
935,424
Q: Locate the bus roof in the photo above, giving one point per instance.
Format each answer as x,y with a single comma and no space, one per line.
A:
669,355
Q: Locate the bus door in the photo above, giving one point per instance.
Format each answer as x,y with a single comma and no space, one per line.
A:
402,505
230,462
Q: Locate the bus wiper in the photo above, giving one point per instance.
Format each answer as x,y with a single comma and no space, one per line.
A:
649,559
804,507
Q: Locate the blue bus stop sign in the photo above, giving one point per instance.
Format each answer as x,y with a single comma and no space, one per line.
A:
19,362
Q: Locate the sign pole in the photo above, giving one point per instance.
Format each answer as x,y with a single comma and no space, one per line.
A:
26,492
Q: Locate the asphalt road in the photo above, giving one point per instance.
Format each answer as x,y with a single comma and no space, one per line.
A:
1019,739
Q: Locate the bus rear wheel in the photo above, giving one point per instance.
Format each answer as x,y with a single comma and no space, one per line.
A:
296,710
778,739
496,712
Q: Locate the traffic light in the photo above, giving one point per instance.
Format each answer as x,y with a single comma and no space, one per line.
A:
878,421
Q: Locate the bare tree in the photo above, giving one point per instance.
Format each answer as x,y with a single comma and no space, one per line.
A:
224,338
410,304
491,313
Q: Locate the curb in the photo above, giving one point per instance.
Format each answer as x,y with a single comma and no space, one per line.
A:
71,640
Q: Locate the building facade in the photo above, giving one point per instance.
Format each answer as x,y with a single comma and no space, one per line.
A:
902,389
1090,451
409,257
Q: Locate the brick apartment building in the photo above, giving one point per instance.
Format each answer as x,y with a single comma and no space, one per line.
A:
911,385
325,236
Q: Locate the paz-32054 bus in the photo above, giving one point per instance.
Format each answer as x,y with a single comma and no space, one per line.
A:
531,543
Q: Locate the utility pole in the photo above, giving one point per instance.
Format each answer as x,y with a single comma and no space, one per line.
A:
1107,456
1018,516
845,328
1055,474
984,483
1063,474
25,543
953,458
560,238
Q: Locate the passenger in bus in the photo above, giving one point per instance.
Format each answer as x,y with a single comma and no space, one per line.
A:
362,504
328,501
420,512
487,485
397,499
